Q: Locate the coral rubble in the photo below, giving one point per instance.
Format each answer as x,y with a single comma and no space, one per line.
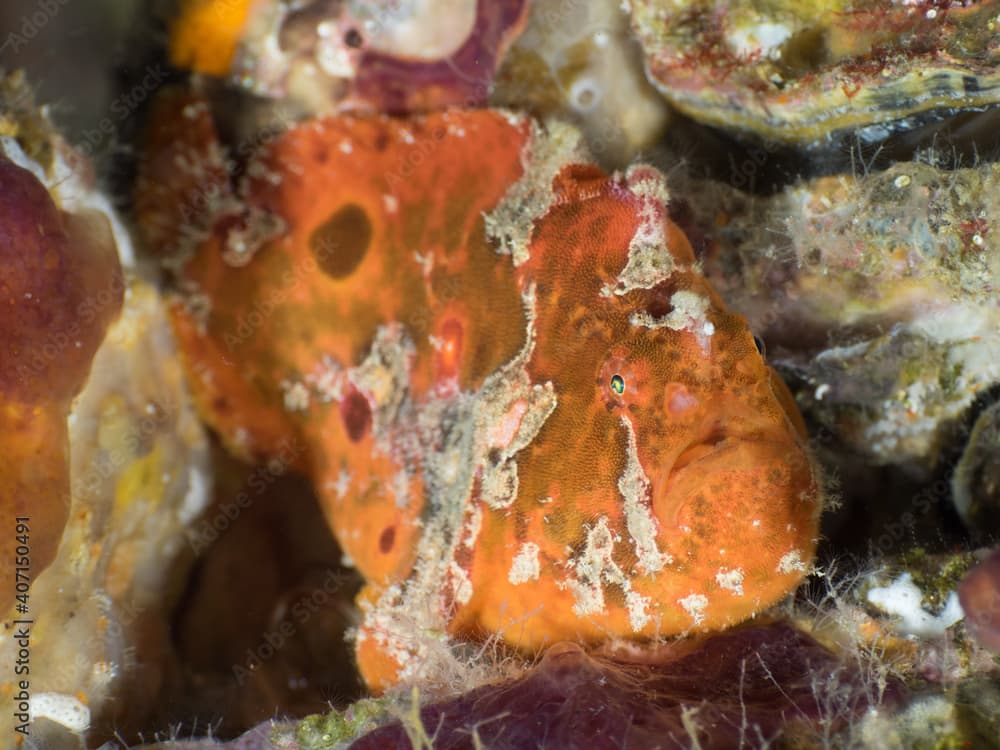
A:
874,292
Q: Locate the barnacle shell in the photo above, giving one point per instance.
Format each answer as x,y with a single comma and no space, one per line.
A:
450,364
801,71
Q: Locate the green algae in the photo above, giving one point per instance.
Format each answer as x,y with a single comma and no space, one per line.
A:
319,732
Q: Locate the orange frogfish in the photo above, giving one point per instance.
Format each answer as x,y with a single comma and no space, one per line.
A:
524,409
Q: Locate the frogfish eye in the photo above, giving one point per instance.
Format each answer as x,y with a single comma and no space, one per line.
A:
618,384
759,342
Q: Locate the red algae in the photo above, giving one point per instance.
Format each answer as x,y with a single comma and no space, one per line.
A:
61,288
979,595
738,689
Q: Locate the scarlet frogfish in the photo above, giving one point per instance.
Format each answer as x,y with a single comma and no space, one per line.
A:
524,409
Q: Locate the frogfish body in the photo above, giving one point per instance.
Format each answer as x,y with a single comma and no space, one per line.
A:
524,409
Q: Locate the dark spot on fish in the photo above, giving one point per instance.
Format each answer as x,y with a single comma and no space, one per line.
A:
387,539
356,415
340,243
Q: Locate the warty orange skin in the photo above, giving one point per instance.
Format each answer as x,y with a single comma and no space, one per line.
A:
524,409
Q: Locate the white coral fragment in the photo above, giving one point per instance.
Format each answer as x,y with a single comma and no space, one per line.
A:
904,600
62,709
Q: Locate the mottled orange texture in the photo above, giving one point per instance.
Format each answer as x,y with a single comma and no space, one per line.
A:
60,288
441,318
